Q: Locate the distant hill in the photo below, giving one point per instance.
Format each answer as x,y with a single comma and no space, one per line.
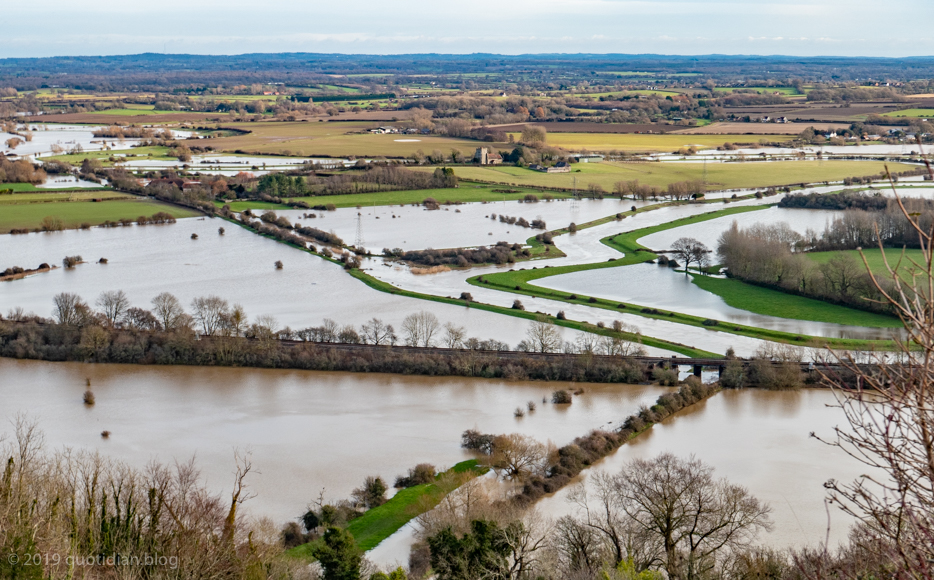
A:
152,71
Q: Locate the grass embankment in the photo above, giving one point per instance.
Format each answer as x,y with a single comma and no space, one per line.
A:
748,174
379,523
518,282
73,214
467,192
770,302
625,243
679,348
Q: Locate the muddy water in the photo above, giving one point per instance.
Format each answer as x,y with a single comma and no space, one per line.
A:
758,439
307,430
238,266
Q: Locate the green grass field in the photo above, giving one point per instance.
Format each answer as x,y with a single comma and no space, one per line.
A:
58,197
29,216
875,261
922,113
160,153
719,175
774,303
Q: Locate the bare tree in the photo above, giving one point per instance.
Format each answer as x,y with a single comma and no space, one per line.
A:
454,335
113,305
265,327
239,494
889,408
236,321
580,551
543,335
693,516
689,251
167,309
329,330
209,312
377,332
517,456
587,343
68,308
420,328
601,512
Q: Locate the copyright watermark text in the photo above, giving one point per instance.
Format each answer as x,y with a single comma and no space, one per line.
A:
113,560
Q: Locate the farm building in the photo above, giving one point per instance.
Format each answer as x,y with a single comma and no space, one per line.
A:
588,158
559,167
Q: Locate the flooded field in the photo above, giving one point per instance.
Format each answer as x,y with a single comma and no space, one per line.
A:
144,261
758,439
45,136
307,430
455,226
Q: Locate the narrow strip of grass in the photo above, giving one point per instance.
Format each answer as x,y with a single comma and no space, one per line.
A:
377,524
634,253
770,302
686,350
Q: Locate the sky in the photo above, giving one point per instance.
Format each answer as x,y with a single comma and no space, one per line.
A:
766,27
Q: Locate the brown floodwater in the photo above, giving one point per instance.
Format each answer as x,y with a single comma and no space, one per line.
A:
758,439
307,430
